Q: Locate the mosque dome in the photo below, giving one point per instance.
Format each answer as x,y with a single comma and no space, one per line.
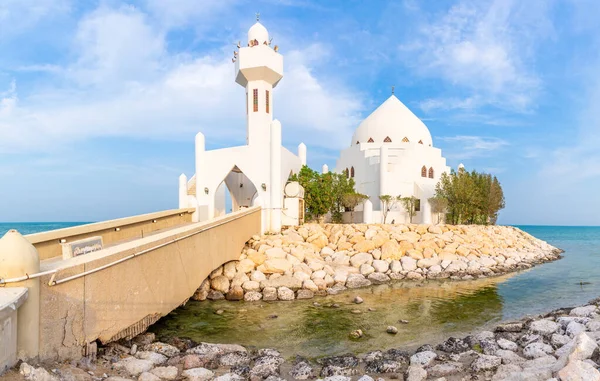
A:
392,122
259,33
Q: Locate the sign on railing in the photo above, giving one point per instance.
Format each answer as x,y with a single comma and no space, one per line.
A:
81,247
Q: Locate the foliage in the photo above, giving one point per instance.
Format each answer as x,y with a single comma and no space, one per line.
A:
388,202
438,206
324,193
351,201
410,205
472,198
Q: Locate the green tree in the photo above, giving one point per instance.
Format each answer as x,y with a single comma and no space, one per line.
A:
351,201
438,206
410,205
388,202
318,196
341,185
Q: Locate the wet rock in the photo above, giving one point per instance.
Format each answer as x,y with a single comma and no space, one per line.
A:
165,372
586,311
384,366
510,327
446,369
391,330
268,352
284,293
235,293
397,355
215,295
358,300
489,346
265,366
269,293
527,339
535,350
305,294
220,283
378,278
191,361
197,374
302,370
544,327
182,344
252,296
291,282
242,371
453,345
339,366
485,363
356,334
234,359
424,358
356,281
416,373
425,347
145,338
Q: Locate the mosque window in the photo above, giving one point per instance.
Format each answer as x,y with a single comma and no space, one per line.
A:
424,171
352,172
418,205
405,140
255,99
420,142
370,140
267,98
431,173
347,173
387,140
357,142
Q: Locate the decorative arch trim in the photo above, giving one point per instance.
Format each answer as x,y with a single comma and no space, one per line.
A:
387,139
420,142
424,171
405,140
370,140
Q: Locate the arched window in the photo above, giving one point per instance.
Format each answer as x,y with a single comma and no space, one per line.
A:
387,140
420,142
255,100
357,142
267,99
352,172
405,140
347,172
431,173
370,140
424,171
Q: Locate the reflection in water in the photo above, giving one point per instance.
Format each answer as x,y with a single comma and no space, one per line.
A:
434,310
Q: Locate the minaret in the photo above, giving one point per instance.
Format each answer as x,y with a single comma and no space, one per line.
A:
259,68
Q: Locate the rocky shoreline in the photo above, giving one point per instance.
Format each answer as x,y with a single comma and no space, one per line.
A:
312,259
561,345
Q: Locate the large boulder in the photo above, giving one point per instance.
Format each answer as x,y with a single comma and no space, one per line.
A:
288,281
277,265
356,281
220,283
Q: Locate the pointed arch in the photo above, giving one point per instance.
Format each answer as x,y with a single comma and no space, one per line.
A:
347,172
387,139
370,140
420,142
357,142
431,172
405,140
352,172
424,171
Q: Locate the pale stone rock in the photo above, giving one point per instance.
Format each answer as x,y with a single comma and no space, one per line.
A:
416,373
396,266
310,285
544,327
284,293
380,266
391,250
424,358
507,344
545,361
509,357
282,281
586,311
230,376
558,340
229,270
239,279
276,253
146,376
319,274
378,278
216,272
301,275
327,251
366,269
408,264
276,265
535,350
436,269
360,259
198,374
252,296
304,294
153,357
593,326
508,372
341,259
251,286
356,281
376,254
485,363
413,275
583,347
134,366
35,374
257,276
220,283
579,371
574,328
257,258
235,293
446,369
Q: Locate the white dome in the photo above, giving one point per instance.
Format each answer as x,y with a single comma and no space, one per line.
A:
259,33
392,122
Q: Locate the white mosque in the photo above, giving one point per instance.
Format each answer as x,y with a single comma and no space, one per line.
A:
391,153
256,173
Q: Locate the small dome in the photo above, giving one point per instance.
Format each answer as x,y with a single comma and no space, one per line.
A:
259,33
392,122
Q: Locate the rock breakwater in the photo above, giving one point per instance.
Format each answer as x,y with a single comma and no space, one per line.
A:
312,259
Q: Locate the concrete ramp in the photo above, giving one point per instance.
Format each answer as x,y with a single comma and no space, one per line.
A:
119,291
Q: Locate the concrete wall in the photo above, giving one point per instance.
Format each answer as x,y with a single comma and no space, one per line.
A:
10,300
48,243
124,299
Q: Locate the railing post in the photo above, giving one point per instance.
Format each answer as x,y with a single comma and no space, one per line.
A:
18,257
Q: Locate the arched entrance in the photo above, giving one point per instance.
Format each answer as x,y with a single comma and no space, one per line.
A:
235,192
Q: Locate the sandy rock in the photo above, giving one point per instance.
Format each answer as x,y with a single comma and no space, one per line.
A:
284,293
305,294
251,286
578,371
35,374
197,374
378,278
535,350
155,358
229,270
245,265
416,373
485,363
269,293
146,376
544,327
366,269
288,281
134,366
424,358
408,264
380,266
357,280
252,296
507,345
235,293
165,372
585,311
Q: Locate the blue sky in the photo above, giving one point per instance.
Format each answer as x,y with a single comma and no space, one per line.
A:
100,100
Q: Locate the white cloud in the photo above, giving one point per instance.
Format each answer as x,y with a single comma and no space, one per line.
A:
123,82
465,147
484,48
20,15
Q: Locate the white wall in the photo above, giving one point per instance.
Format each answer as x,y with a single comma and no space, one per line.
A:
10,300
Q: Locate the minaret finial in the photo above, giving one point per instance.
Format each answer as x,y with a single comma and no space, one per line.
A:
257,16
393,87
